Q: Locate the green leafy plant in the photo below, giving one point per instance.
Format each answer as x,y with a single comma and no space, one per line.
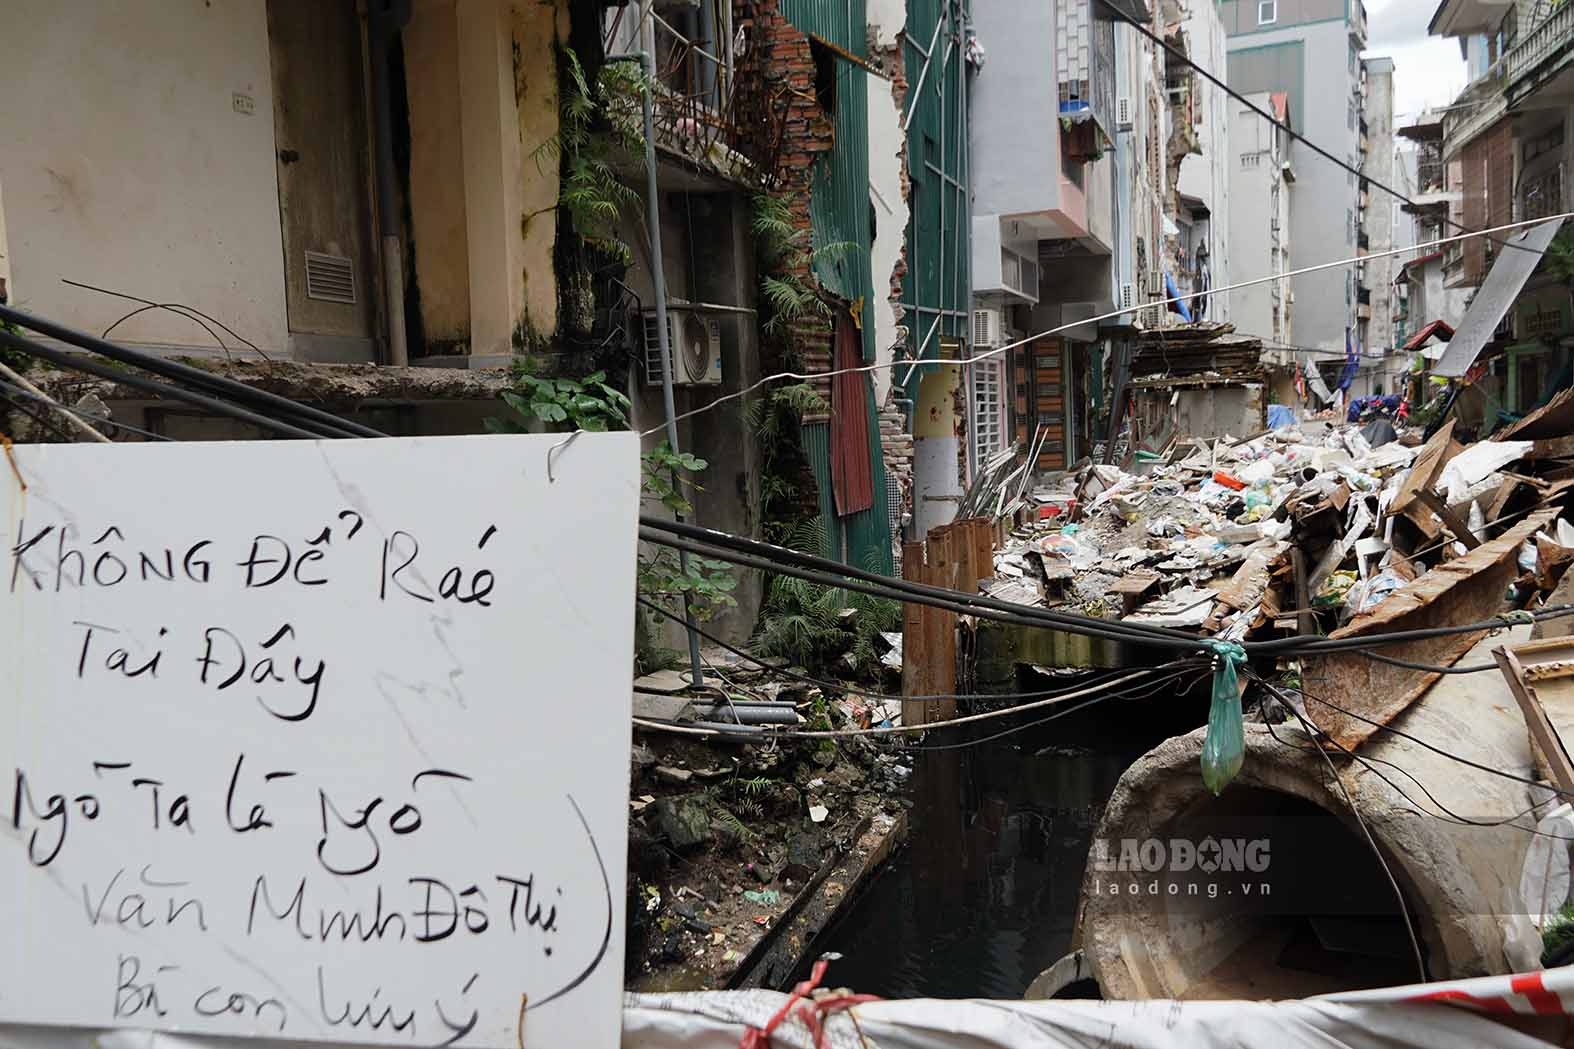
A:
663,471
786,256
774,418
823,628
1559,931
597,127
664,577
574,404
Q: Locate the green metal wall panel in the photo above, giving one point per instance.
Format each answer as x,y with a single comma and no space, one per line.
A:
839,214
937,291
839,200
862,540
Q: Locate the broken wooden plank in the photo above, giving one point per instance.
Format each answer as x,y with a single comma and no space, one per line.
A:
1134,588
1552,757
1468,589
1429,463
914,678
1456,525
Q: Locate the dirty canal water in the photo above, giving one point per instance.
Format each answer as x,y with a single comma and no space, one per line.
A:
984,896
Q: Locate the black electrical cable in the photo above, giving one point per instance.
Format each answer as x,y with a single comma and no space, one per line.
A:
1440,751
834,686
1448,816
158,389
1308,643
1431,668
1015,615
1140,633
217,385
1344,165
92,420
190,312
1025,726
720,546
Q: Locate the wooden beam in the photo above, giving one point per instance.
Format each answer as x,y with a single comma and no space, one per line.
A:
913,666
1559,768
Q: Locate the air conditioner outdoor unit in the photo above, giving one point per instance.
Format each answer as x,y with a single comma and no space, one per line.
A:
1151,316
1123,120
1128,296
986,328
1156,284
694,339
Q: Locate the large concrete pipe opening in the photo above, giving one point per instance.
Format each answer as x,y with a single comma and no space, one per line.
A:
1271,890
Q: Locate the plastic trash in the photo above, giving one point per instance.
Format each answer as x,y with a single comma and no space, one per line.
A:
1527,556
1370,593
1258,472
1224,747
1228,481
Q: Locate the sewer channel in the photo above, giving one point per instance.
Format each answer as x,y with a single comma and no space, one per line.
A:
984,896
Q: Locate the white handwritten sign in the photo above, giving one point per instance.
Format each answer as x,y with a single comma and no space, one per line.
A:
318,741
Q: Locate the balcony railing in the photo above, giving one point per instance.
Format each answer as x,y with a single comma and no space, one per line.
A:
1542,195
1541,43
694,82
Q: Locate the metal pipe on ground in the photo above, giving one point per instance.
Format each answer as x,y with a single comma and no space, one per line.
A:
1270,889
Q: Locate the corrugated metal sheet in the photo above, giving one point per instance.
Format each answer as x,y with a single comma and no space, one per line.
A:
863,539
839,212
1502,286
839,200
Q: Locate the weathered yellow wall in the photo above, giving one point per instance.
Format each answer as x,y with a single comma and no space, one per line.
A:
537,25
437,185
504,59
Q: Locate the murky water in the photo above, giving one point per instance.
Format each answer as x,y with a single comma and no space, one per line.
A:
984,896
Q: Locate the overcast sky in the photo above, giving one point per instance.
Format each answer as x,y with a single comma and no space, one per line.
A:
1428,71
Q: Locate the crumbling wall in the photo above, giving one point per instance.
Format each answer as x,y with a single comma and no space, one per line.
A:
784,130
888,183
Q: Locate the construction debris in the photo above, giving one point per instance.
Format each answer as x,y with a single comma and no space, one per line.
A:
1279,532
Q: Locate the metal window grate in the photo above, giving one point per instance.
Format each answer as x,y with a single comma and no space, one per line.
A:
330,278
988,403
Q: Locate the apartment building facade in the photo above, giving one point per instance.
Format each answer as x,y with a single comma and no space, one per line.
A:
1511,131
1309,50
1262,184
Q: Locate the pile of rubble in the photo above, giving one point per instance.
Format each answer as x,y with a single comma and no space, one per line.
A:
1279,532
736,840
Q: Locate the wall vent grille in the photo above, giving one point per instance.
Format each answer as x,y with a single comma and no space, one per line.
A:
330,278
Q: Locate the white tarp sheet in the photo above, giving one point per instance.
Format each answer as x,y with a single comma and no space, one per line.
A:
1429,1016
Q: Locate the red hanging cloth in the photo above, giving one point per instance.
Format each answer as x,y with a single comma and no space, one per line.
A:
852,471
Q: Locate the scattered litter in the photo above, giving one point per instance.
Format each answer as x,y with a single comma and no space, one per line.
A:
763,897
817,813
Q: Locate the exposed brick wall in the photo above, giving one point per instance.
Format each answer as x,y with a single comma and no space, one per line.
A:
896,443
896,448
784,131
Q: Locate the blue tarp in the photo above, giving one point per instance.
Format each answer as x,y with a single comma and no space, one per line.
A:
1280,417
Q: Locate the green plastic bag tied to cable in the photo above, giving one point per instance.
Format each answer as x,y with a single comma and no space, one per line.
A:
1224,747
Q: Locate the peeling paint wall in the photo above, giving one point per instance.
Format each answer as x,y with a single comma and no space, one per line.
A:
505,67
887,184
437,231
937,445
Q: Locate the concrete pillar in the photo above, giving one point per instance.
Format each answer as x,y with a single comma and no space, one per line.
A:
937,446
437,175
507,71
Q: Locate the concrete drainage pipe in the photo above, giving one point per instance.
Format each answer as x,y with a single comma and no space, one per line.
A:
1271,891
